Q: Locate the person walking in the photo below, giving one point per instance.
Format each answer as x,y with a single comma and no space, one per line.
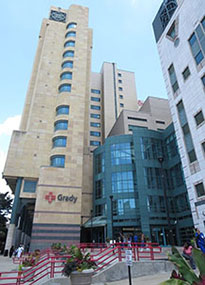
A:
19,251
200,240
187,254
11,251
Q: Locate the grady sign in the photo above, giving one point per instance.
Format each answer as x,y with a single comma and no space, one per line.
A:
60,197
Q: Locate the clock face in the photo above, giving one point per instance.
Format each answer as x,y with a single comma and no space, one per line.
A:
58,16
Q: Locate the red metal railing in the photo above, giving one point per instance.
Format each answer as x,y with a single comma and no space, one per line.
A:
50,265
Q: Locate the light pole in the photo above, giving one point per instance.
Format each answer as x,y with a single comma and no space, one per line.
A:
91,221
170,236
111,211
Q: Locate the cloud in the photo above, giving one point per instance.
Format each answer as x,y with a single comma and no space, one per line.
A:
134,2
10,124
6,128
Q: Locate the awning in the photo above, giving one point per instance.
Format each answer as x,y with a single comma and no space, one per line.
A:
100,221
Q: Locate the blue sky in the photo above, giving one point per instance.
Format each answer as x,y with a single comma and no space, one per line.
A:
122,33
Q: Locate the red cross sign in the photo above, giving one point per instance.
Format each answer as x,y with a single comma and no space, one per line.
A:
50,197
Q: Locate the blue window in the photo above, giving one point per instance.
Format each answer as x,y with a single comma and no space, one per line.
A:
58,160
96,116
71,25
93,124
67,64
65,88
29,186
120,81
125,207
120,88
69,44
59,141
121,105
96,99
196,49
94,107
95,143
70,34
66,75
203,80
122,182
95,134
61,125
68,53
95,91
62,110
173,78
121,96
119,74
121,153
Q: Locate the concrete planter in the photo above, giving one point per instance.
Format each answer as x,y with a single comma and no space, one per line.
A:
81,278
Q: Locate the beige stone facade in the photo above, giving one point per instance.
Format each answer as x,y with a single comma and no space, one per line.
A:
49,168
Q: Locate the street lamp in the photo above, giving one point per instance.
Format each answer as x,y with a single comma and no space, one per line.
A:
91,221
170,236
111,210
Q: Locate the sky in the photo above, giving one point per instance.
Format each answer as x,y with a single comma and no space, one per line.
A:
122,33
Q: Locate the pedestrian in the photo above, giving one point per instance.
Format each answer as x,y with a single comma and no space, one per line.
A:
19,251
11,251
200,240
187,254
135,239
142,241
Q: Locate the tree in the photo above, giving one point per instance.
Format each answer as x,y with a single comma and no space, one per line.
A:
5,210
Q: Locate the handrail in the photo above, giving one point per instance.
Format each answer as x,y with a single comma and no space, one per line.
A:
51,264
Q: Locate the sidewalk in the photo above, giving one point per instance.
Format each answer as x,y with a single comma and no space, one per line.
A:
145,280
6,264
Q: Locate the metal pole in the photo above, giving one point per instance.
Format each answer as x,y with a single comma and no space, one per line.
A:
171,241
111,211
129,274
91,213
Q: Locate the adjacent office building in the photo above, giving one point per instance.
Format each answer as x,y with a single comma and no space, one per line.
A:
68,111
179,29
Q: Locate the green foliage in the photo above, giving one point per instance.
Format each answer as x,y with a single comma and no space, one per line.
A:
58,247
186,274
78,261
32,259
5,210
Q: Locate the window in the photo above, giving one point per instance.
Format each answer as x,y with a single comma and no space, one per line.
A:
99,189
121,153
151,148
99,163
203,80
67,64
95,91
172,31
95,143
65,88
99,210
153,178
120,88
58,160
203,146
186,73
29,186
69,44
160,122
66,75
199,118
137,119
93,124
121,96
59,142
203,23
122,182
200,189
61,125
197,43
119,74
173,78
96,116
94,107
68,53
96,99
121,105
95,134
70,34
71,25
125,207
119,81
62,110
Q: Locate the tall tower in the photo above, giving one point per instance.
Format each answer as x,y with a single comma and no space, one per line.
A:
46,158
179,28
